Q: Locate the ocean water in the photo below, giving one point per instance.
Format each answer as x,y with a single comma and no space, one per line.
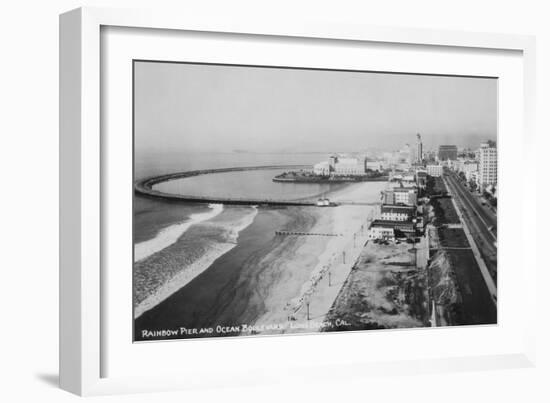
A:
177,245
233,289
194,244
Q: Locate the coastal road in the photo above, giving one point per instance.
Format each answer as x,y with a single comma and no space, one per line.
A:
484,213
481,221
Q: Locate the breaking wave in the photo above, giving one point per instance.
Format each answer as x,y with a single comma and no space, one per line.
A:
169,235
230,231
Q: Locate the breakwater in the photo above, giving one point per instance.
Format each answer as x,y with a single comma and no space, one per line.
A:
144,187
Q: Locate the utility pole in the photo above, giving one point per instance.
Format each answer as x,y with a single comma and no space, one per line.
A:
344,257
307,310
414,244
329,278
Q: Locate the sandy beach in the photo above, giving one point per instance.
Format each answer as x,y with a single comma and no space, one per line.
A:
301,294
263,285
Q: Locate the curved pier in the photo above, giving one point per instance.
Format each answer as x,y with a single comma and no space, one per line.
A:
144,187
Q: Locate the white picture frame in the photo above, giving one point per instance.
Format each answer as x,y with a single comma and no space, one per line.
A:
82,307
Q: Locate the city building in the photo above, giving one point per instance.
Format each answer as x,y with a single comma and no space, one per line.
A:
405,195
322,168
390,212
384,229
447,152
473,177
434,170
340,166
400,195
418,148
400,179
429,156
469,168
381,232
487,165
374,165
388,197
421,178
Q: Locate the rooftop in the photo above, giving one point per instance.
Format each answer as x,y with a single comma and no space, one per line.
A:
393,224
404,189
395,207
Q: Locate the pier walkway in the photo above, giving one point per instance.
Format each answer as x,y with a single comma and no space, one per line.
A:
305,233
144,187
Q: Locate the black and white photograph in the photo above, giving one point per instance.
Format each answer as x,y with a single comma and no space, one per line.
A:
271,200
287,201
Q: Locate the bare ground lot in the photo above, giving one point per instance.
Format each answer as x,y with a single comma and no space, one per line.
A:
383,291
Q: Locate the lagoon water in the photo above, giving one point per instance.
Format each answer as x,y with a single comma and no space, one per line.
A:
245,185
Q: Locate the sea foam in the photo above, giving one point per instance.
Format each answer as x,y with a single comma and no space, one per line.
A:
231,232
169,235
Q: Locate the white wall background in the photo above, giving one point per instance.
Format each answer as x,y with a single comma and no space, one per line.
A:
29,201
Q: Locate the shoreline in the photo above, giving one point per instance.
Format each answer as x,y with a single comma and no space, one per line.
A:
259,281
231,291
145,187
170,235
310,286
183,272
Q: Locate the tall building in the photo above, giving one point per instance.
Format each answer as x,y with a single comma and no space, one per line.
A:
487,164
418,148
447,152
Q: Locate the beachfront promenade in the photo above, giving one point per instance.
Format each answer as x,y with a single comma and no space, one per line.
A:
144,187
318,296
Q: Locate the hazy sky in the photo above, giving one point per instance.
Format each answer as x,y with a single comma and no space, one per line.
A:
185,107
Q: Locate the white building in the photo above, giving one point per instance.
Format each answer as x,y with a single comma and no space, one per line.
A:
434,170
349,166
473,176
487,165
396,213
322,168
340,166
381,233
407,196
469,168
